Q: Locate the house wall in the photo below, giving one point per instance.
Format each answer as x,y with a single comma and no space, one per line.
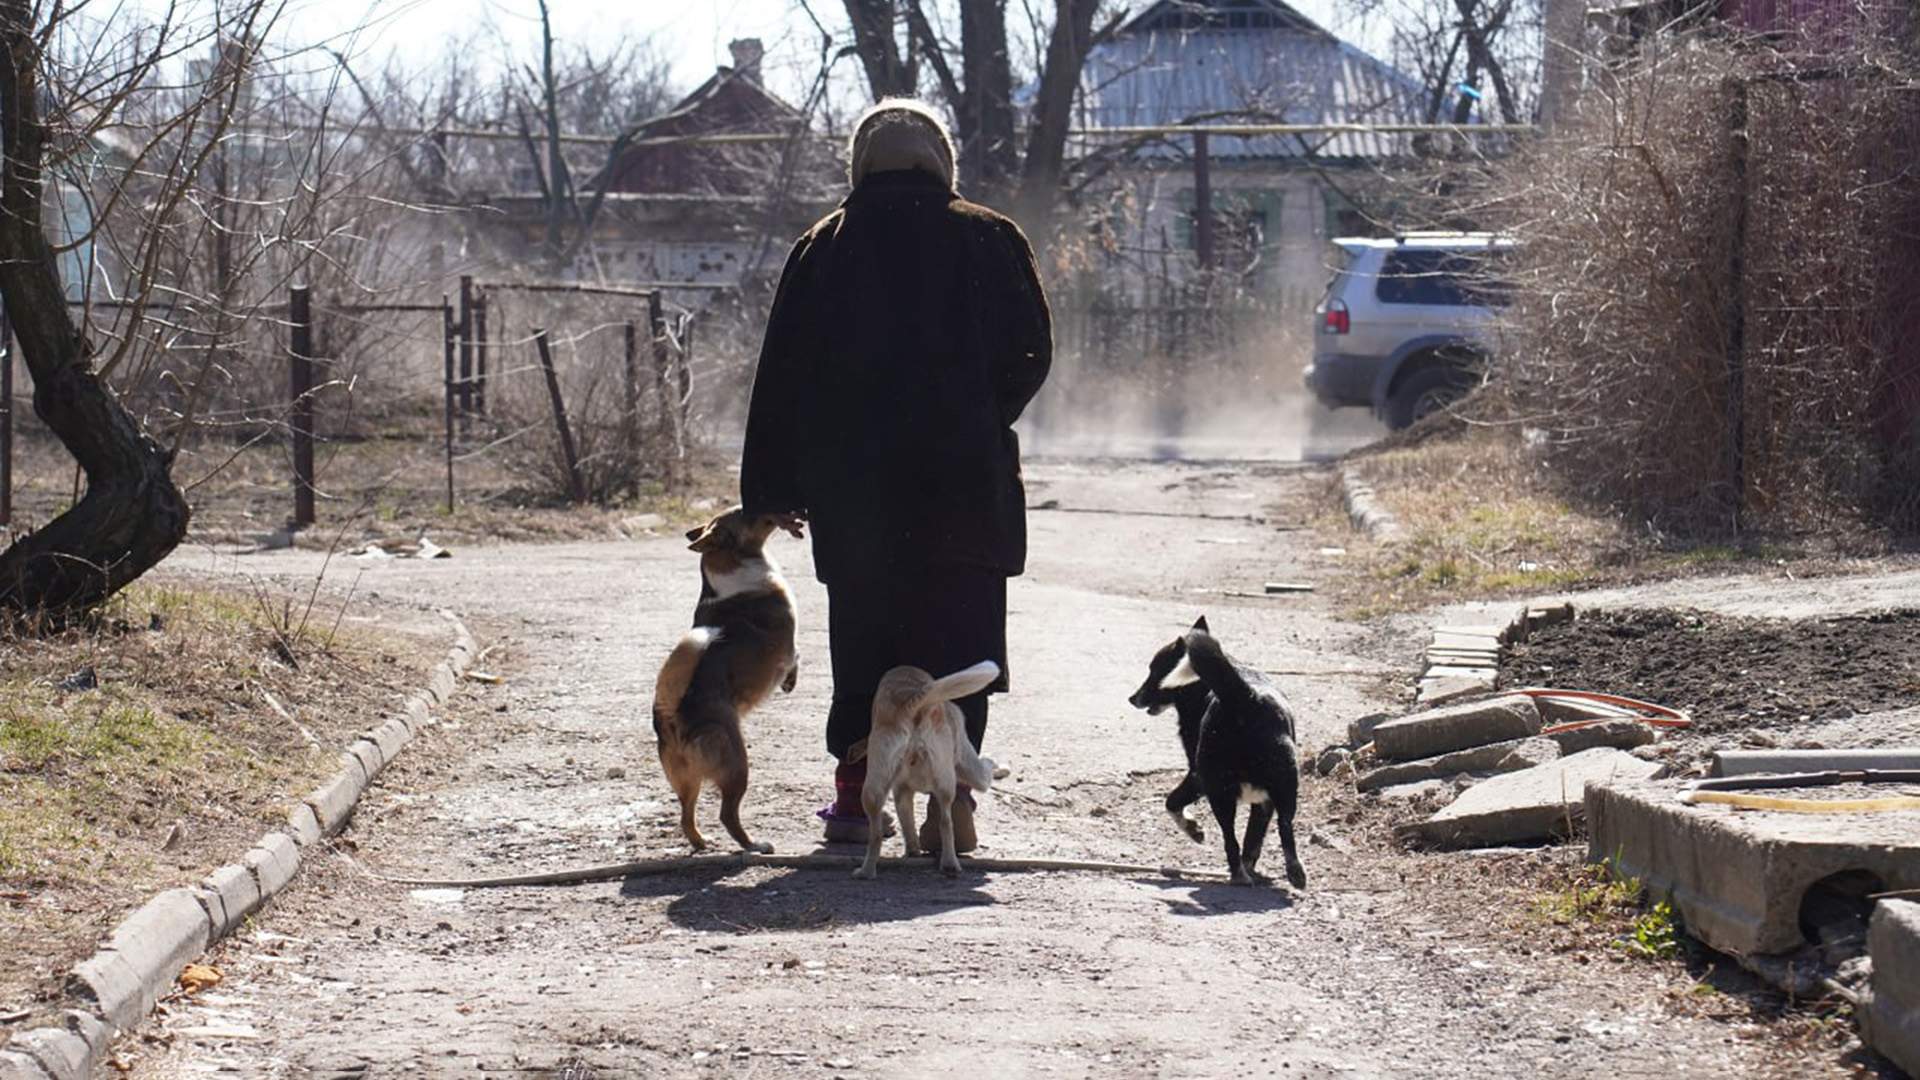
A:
1154,230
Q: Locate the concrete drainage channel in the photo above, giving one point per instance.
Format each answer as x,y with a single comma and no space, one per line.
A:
1796,895
111,992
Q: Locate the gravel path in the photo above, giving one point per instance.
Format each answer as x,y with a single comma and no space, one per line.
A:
1385,966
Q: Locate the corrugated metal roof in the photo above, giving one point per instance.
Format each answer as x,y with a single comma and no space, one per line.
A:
1278,76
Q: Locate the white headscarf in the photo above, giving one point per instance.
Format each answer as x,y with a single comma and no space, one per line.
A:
900,133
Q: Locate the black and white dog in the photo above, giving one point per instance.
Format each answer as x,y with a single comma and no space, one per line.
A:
1237,731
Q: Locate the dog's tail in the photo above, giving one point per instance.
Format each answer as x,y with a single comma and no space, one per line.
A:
1214,669
676,675
958,685
973,770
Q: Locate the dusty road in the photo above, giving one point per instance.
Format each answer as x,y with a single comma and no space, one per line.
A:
1371,971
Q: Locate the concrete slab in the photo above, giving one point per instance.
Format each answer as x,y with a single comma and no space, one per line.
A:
110,985
1479,641
1890,1020
1619,734
1510,756
1533,804
1360,732
61,1053
16,1065
1457,727
1438,691
1738,876
1570,711
1485,675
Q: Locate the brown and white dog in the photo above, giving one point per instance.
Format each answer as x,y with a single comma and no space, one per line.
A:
740,648
919,743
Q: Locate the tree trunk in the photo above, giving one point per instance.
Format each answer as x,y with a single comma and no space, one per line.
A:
986,123
1067,47
132,514
888,73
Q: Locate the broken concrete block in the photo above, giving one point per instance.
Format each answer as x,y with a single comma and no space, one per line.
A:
1510,756
1360,732
1532,804
1457,727
1619,734
1481,640
1555,710
1551,615
1528,753
18,1065
1438,691
1331,759
1482,675
1890,1017
1738,876
1419,791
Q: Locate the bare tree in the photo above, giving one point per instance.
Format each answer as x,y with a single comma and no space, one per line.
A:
890,35
133,512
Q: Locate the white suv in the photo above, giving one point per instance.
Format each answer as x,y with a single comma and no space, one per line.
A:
1406,324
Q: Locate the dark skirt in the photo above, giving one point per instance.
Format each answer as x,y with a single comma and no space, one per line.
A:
940,618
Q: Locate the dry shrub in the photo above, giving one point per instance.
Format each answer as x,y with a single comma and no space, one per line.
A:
1625,292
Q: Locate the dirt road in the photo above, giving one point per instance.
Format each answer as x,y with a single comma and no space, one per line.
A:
1382,967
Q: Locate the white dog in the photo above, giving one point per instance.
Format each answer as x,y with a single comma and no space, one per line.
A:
919,743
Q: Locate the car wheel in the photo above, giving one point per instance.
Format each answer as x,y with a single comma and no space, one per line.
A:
1426,391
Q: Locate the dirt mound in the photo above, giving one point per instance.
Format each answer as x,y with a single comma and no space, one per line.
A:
1731,673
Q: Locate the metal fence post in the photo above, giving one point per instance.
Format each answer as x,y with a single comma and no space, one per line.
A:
480,354
662,363
6,418
447,334
466,350
300,318
1736,315
631,343
575,480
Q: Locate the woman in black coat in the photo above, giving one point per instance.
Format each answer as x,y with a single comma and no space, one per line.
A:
908,332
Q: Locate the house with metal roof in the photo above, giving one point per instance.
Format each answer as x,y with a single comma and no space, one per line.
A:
1276,199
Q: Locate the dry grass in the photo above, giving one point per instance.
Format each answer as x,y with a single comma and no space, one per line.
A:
1479,520
200,729
377,488
1484,517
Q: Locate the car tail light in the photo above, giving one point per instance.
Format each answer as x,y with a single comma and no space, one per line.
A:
1335,321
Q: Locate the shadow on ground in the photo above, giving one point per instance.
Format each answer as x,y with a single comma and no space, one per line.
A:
808,899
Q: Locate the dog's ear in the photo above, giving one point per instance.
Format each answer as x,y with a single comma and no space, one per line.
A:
1200,624
704,538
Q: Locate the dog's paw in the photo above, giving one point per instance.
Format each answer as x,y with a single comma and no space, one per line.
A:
950,866
1241,877
792,679
761,848
1296,875
865,873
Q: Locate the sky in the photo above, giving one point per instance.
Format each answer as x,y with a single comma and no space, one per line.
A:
693,34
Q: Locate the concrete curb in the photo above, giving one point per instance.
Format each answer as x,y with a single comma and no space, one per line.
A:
113,990
1366,514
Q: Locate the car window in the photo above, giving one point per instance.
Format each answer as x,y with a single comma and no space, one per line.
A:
1434,276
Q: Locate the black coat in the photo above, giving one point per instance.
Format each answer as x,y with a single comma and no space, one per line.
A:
908,333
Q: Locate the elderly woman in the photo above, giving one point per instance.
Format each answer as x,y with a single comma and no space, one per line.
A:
908,332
